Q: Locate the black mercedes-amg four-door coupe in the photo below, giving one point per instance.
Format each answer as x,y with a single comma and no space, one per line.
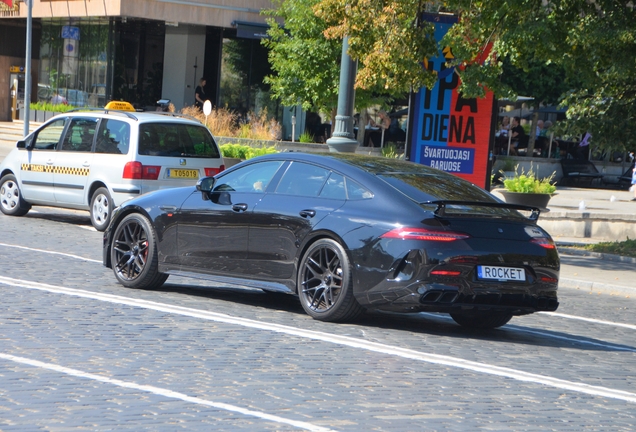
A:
345,233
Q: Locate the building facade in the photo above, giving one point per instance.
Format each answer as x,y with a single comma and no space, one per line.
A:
88,52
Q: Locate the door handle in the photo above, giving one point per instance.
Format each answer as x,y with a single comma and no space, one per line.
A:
49,162
86,164
168,208
239,207
308,213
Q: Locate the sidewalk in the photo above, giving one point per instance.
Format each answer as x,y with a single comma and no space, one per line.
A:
575,216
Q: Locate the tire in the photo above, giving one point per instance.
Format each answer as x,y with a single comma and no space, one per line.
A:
325,283
481,320
11,202
101,209
133,254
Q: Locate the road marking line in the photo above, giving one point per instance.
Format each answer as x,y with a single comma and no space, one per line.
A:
50,252
336,339
162,392
592,320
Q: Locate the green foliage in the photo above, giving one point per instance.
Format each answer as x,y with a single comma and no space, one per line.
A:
47,106
583,52
306,64
391,151
245,152
306,137
623,248
386,38
526,182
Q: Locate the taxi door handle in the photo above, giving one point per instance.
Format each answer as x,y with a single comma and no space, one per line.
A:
49,162
86,164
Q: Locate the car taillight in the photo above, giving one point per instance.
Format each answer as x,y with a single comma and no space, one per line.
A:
209,172
424,234
445,273
137,171
543,242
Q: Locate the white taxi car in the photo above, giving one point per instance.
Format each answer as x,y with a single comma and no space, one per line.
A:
96,160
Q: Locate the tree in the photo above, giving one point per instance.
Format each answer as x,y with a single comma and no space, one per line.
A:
307,64
592,41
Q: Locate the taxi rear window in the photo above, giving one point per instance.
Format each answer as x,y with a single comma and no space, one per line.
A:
173,139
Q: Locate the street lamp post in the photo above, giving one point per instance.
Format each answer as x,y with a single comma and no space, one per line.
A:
27,68
342,139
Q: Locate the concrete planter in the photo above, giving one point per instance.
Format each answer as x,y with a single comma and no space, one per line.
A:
228,162
528,199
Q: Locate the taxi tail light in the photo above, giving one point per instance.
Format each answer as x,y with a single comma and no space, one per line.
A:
424,234
544,242
137,171
209,172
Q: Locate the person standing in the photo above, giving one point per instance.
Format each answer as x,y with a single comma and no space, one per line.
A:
199,94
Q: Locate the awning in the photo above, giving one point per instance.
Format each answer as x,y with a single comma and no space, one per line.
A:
250,30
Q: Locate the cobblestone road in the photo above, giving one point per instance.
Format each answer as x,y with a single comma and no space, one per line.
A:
80,352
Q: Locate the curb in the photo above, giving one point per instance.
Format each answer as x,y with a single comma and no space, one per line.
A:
562,248
596,287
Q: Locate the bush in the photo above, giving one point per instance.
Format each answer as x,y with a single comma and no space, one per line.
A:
245,152
223,122
47,106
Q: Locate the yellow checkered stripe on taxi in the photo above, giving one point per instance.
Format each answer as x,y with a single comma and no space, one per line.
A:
55,169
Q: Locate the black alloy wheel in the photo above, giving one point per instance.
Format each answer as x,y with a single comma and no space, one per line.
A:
134,254
325,285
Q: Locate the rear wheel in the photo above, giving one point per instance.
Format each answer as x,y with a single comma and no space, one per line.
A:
325,284
101,209
481,320
133,254
11,202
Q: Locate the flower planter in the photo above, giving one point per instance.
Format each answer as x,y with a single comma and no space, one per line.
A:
228,162
528,199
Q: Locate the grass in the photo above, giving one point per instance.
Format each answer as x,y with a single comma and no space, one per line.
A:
623,248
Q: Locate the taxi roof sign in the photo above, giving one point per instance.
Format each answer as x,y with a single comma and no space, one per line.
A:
119,106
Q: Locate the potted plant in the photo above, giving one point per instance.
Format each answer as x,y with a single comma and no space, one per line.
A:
235,153
526,189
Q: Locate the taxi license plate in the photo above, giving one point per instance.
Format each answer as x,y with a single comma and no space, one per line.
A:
183,173
501,273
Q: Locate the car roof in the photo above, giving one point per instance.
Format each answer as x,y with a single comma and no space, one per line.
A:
139,116
370,164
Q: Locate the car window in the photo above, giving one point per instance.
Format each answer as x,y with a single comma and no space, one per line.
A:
334,187
250,178
79,135
357,192
49,136
303,179
174,139
113,137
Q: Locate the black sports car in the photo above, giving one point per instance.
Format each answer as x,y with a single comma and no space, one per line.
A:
346,233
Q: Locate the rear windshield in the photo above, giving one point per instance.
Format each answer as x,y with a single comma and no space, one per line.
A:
425,187
174,139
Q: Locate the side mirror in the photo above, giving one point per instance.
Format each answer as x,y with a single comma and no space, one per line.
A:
21,144
205,184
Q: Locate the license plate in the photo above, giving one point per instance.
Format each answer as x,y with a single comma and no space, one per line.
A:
183,173
501,273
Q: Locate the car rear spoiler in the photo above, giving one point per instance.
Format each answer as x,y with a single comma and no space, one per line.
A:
441,207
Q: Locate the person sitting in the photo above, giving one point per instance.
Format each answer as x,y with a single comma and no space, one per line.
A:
375,130
519,137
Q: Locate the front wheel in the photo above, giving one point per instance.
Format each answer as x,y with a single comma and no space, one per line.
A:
133,254
11,202
101,209
481,320
325,284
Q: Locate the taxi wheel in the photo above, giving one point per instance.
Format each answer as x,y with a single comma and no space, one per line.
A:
133,253
11,202
101,209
